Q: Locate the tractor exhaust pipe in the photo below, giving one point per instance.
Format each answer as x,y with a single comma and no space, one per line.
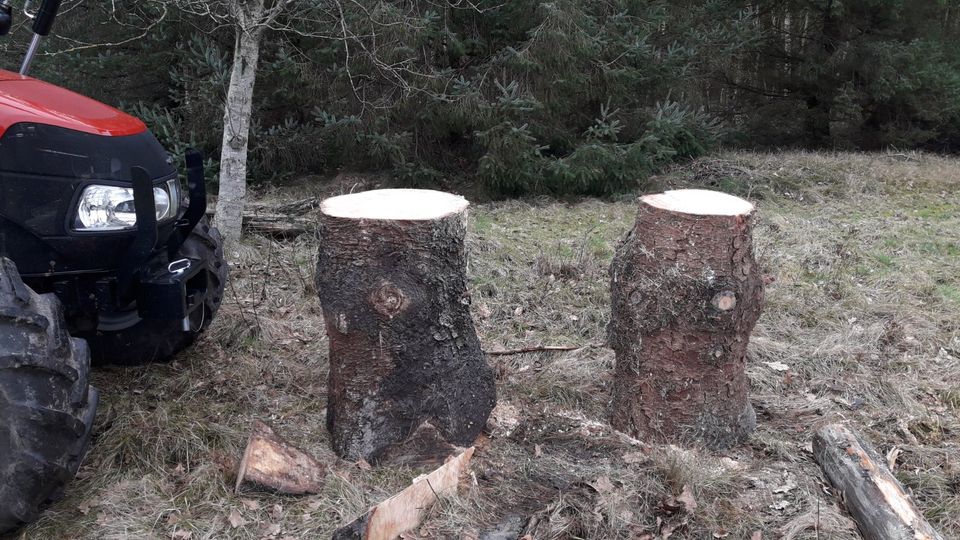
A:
42,23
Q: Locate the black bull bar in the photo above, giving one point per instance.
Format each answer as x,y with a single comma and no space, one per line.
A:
164,284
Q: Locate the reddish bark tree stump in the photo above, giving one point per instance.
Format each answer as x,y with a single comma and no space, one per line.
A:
686,293
407,375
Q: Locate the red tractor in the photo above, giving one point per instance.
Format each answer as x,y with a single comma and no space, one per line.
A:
103,257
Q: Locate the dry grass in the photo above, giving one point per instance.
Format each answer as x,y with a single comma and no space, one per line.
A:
864,308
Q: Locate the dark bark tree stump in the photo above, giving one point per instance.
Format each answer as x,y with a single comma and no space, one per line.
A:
686,293
404,355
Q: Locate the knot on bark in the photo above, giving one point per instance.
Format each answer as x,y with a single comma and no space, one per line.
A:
724,301
388,300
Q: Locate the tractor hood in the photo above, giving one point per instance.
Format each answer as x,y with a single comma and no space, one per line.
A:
28,100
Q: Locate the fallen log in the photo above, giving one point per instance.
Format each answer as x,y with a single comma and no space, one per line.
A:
274,224
405,510
272,464
878,503
299,207
280,225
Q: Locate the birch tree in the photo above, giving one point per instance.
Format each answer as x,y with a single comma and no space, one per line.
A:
249,19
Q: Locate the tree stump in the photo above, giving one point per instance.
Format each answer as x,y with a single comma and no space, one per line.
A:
685,293
405,361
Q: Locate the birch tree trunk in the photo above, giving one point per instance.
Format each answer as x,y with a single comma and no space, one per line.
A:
236,120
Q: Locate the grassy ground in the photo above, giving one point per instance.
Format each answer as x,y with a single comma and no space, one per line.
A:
864,307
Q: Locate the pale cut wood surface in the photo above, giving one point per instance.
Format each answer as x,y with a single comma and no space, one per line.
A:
699,201
272,464
398,204
405,510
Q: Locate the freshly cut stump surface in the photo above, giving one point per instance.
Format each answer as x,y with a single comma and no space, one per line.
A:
408,379
686,293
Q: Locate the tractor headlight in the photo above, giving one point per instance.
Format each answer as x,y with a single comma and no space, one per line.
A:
111,208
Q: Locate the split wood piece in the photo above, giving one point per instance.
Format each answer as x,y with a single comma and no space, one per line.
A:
685,293
272,464
877,501
405,510
403,348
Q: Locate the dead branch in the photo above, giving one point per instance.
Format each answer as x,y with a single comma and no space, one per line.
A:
278,225
539,348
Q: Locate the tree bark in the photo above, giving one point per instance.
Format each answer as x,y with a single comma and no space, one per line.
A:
877,501
272,464
405,360
686,293
236,120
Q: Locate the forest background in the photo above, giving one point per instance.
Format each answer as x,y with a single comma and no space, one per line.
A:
578,97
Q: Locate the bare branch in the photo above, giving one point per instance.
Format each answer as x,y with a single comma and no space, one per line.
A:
85,46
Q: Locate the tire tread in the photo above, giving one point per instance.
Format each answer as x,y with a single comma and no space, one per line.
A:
45,408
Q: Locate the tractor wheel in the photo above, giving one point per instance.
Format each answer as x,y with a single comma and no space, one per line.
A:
127,340
46,404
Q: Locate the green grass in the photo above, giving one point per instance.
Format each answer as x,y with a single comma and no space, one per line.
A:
481,223
863,304
884,260
942,248
949,292
938,212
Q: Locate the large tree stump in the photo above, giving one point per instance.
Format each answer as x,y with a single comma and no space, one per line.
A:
877,501
405,361
686,292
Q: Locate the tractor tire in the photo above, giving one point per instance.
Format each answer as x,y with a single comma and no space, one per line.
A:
153,340
46,403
